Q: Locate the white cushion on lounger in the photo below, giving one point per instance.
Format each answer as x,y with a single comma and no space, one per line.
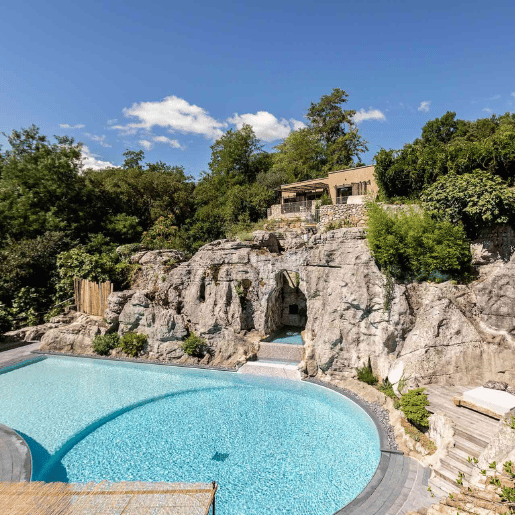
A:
495,400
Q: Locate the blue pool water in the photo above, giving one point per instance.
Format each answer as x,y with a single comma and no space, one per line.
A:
288,335
273,447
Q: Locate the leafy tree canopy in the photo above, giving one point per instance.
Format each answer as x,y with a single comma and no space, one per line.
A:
331,141
336,129
448,145
39,184
231,191
477,199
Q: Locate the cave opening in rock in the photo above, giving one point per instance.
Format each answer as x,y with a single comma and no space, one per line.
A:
287,305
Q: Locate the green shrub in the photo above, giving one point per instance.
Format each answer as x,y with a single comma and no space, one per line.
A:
366,375
194,346
6,320
413,405
132,343
103,344
477,199
324,200
413,246
387,388
164,234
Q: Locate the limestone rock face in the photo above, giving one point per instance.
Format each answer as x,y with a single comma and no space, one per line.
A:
234,293
76,336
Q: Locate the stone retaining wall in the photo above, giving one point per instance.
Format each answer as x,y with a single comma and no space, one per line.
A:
346,215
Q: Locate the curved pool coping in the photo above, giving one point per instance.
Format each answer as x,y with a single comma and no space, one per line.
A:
385,464
17,460
15,456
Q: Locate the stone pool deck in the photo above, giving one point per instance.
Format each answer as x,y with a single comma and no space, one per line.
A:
15,457
399,484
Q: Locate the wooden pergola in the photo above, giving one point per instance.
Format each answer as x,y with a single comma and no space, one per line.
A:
106,498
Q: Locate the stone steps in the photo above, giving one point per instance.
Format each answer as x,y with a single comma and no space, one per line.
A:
271,369
472,431
441,488
462,444
450,475
280,352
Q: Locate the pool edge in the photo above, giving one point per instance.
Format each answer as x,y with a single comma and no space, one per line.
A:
15,456
384,461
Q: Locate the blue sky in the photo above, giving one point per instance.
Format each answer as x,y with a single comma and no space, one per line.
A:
170,77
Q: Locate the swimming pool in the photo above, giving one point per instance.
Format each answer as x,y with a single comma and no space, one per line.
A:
289,335
273,446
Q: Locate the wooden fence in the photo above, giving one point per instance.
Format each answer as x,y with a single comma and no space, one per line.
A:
91,297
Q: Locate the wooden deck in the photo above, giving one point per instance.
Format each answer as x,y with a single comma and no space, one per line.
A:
475,424
125,498
472,433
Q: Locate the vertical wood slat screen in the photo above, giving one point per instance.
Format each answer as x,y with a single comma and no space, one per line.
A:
91,297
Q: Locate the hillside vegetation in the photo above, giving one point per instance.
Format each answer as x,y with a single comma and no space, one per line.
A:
58,220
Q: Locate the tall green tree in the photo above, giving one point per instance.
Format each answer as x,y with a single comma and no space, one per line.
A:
230,191
336,129
299,157
40,189
330,142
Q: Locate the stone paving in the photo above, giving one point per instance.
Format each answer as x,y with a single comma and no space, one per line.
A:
11,356
399,484
15,458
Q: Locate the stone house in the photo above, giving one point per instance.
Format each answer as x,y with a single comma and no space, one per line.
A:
347,186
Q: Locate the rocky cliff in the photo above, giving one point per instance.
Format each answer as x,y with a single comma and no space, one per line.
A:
234,293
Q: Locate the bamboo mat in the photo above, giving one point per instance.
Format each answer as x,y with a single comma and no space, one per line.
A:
124,498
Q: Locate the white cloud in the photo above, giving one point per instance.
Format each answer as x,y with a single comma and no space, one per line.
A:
487,110
89,160
174,114
147,145
297,124
67,126
112,121
98,139
513,93
371,114
266,126
172,142
495,97
424,106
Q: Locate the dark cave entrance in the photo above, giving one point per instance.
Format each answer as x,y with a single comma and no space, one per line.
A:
287,305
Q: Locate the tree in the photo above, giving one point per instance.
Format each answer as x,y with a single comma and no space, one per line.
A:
299,157
230,192
40,189
145,192
330,142
133,159
336,130
448,145
477,199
